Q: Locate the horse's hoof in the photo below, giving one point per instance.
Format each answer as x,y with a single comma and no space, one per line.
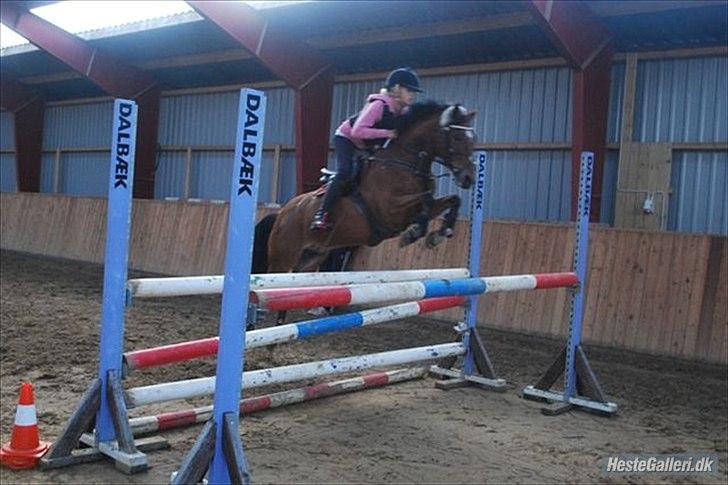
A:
433,239
409,236
448,232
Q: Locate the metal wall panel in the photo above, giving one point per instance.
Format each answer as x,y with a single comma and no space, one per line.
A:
169,178
682,100
699,186
532,105
520,185
8,173
85,174
609,187
616,94
46,172
7,130
78,126
210,119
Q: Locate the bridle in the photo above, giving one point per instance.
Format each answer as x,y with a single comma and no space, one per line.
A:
424,156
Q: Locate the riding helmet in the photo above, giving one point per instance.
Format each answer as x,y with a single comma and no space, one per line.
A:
406,77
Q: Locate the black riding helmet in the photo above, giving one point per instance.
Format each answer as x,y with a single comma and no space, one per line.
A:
406,77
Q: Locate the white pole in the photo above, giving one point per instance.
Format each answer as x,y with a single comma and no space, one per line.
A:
170,391
210,285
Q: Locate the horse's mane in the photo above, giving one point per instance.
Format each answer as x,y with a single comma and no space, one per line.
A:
416,113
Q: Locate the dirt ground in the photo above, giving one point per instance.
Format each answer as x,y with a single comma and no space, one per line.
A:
408,433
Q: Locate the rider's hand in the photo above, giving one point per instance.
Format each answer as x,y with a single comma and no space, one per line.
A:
392,134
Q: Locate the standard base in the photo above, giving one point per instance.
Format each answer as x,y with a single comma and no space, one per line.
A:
455,379
126,463
560,406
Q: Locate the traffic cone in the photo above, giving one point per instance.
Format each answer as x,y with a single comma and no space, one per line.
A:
25,448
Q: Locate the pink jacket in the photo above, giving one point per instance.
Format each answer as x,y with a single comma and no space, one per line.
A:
363,128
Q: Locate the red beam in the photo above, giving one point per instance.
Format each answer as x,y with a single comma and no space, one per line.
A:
585,44
28,110
106,71
313,120
574,29
298,65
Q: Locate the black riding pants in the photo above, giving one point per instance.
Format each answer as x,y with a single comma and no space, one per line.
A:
345,152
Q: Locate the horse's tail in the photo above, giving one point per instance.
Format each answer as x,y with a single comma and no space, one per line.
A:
260,244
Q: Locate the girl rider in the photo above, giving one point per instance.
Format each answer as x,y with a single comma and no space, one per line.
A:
372,126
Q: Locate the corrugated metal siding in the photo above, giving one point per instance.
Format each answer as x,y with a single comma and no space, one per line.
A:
46,172
85,174
169,178
210,119
616,94
682,100
78,126
526,106
8,173
7,130
609,187
700,183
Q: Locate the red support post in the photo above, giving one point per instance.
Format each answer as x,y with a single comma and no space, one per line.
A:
301,67
313,120
106,71
28,110
585,44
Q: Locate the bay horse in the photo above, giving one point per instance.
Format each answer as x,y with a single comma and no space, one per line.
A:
394,195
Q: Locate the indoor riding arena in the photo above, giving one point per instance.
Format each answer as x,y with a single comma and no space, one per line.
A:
518,272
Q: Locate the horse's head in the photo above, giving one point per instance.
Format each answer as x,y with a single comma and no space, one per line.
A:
456,142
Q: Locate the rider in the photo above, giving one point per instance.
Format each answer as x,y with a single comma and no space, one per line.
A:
372,126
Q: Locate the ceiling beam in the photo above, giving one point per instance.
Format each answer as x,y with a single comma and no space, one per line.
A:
106,71
574,30
292,61
111,74
301,67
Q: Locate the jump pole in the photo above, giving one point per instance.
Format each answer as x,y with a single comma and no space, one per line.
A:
188,417
581,389
184,351
300,298
102,406
211,285
218,447
204,386
477,357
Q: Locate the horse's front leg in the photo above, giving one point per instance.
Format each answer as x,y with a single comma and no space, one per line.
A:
450,203
418,228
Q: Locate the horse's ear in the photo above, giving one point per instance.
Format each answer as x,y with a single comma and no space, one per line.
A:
468,119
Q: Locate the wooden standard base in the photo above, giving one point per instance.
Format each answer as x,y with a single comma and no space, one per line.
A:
197,462
126,452
590,396
485,379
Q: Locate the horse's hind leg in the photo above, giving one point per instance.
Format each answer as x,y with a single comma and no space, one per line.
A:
446,230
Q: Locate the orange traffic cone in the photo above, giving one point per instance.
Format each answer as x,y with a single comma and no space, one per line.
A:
25,448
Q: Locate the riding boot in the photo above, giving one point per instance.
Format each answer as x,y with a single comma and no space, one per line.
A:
321,219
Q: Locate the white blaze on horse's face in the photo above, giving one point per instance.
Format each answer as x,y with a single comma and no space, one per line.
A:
458,148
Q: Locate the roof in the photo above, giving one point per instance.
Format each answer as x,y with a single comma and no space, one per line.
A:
186,50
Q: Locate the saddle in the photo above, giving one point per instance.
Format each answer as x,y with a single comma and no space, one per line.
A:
379,231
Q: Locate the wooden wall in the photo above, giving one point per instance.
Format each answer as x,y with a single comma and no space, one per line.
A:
655,292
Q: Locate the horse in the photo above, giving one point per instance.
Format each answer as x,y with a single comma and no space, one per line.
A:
394,195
